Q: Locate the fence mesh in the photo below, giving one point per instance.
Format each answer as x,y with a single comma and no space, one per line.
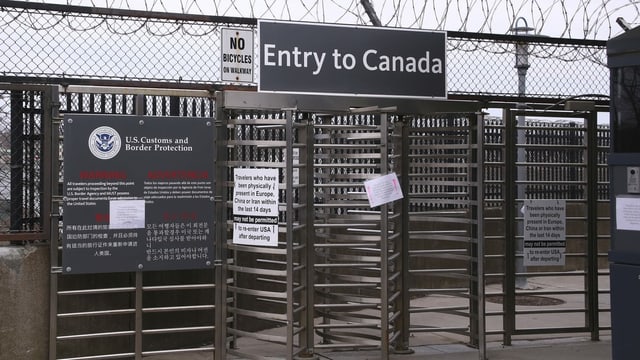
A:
76,47
21,177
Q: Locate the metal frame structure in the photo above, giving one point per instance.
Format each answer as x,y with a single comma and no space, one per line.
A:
585,249
336,138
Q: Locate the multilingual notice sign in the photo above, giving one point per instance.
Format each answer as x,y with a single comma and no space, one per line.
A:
138,193
255,206
545,234
351,60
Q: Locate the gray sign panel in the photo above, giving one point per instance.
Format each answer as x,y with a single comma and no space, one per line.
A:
138,193
350,60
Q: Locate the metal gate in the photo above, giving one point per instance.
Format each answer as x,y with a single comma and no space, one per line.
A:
127,315
445,269
358,292
343,276
564,159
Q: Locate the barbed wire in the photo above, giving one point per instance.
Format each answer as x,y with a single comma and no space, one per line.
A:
578,19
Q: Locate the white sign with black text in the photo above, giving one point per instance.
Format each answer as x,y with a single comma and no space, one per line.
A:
255,207
383,189
237,55
545,232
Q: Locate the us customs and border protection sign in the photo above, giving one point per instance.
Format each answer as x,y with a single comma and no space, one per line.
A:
138,193
545,234
237,55
351,60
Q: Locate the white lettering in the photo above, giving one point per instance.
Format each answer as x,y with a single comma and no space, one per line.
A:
268,54
299,58
319,62
398,63
366,62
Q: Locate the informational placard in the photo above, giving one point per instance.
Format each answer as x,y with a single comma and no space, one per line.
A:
351,60
628,213
255,207
237,55
138,193
545,234
383,189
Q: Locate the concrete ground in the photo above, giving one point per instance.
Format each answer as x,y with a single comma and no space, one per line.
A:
449,346
544,349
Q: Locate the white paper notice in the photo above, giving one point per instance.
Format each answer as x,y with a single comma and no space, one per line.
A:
255,207
545,232
126,214
628,213
383,190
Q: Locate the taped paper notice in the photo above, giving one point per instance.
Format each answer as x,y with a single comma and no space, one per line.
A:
383,190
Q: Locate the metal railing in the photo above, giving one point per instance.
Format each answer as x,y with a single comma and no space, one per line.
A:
440,164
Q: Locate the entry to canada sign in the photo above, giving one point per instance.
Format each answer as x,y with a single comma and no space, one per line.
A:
138,193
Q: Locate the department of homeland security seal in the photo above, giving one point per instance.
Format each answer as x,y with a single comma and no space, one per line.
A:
104,142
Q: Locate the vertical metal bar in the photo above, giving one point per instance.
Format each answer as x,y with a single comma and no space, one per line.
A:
138,317
384,241
220,343
307,179
139,107
51,108
139,104
478,165
33,141
138,110
510,226
289,234
174,106
81,102
17,162
593,321
103,103
474,238
46,172
405,301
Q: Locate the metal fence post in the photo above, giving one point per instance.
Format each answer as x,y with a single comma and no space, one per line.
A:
591,120
220,194
405,302
510,227
51,127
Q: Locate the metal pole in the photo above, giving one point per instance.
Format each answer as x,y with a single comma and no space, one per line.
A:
139,110
522,65
593,320
405,301
220,335
368,8
306,177
17,162
51,128
510,228
384,242
291,301
478,180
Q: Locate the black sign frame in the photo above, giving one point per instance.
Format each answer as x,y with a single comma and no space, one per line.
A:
138,193
312,58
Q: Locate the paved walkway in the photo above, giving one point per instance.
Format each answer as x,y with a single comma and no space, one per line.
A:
438,346
563,349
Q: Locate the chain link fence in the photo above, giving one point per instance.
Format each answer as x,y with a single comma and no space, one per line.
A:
45,43
21,161
79,45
